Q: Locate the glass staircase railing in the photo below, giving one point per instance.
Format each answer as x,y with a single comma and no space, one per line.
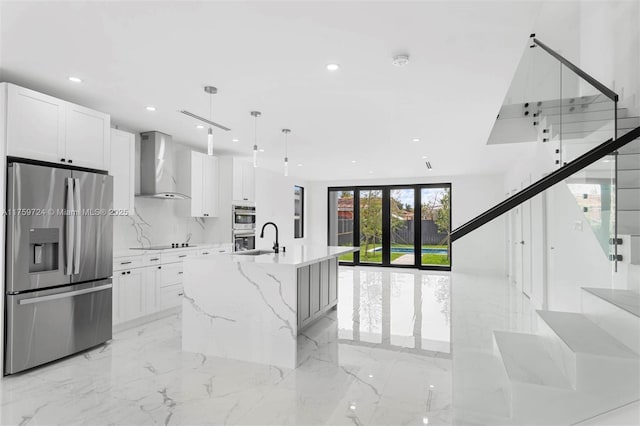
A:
559,343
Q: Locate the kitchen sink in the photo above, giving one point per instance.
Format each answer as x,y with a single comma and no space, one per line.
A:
253,252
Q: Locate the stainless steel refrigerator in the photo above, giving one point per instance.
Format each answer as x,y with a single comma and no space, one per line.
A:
58,263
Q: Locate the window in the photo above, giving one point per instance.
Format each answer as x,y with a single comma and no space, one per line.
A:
399,225
298,212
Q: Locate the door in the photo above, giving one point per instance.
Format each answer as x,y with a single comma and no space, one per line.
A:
35,125
402,226
46,325
87,138
37,248
197,184
131,301
93,245
248,181
371,225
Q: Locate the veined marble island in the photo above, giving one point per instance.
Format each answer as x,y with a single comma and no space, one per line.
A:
252,307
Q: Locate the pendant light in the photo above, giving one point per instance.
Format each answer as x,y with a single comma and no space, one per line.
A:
211,91
286,156
255,115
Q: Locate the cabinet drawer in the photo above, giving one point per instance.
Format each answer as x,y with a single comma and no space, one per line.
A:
171,296
171,274
120,263
213,251
152,259
178,256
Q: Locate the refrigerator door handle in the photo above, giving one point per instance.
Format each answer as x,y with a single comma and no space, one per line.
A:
78,226
63,295
69,224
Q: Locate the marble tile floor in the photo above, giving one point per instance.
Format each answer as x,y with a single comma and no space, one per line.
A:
383,358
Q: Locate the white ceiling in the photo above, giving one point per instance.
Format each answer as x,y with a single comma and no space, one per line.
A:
271,56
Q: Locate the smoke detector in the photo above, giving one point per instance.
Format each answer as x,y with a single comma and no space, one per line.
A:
400,60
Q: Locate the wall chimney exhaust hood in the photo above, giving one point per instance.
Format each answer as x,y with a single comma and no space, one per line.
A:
157,175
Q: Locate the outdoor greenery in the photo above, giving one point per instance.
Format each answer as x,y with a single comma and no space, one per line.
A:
376,256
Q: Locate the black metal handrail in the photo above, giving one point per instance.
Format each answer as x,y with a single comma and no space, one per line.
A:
546,182
592,81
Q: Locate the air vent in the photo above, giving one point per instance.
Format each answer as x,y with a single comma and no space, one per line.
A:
428,164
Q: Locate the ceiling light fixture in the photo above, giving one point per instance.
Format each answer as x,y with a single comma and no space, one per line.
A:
211,91
235,140
75,79
353,161
199,126
428,164
286,157
415,140
333,67
151,108
255,115
299,164
400,60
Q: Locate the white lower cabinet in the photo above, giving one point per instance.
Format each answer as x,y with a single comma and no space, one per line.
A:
128,295
171,296
317,290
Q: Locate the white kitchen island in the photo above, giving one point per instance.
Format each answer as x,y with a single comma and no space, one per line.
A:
252,307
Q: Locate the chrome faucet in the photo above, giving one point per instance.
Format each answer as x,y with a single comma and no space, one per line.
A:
276,246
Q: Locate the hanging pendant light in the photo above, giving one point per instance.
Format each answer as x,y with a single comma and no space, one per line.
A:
255,115
211,91
286,156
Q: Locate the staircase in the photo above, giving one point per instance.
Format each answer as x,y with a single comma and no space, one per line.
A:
577,365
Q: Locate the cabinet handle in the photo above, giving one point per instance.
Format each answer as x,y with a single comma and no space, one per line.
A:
63,160
183,255
128,272
123,273
180,294
70,161
125,263
220,251
180,273
154,259
159,267
205,252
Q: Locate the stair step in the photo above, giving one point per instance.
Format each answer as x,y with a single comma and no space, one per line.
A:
628,300
584,116
582,336
617,311
629,179
629,162
628,222
526,360
628,199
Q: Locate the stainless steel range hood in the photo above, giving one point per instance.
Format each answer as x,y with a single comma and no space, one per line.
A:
157,175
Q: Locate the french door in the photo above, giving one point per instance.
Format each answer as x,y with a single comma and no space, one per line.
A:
398,225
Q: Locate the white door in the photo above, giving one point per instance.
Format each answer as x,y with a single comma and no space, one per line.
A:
122,169
35,125
152,282
211,183
88,138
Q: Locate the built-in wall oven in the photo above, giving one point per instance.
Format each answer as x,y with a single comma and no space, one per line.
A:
244,227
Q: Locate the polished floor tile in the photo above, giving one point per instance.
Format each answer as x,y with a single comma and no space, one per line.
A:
382,358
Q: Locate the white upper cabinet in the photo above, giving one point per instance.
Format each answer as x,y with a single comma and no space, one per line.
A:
198,177
123,169
41,127
88,141
243,180
35,125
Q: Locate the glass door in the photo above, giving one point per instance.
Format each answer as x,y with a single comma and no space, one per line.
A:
341,220
402,226
370,225
435,214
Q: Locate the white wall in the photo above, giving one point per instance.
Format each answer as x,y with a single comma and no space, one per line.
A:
480,252
275,203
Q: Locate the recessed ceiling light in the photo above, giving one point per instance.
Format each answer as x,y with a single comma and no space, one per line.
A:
333,67
370,172
151,108
261,150
75,79
199,126
353,161
424,157
299,164
415,140
235,140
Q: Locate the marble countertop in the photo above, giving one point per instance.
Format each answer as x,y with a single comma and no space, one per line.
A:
294,256
127,252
